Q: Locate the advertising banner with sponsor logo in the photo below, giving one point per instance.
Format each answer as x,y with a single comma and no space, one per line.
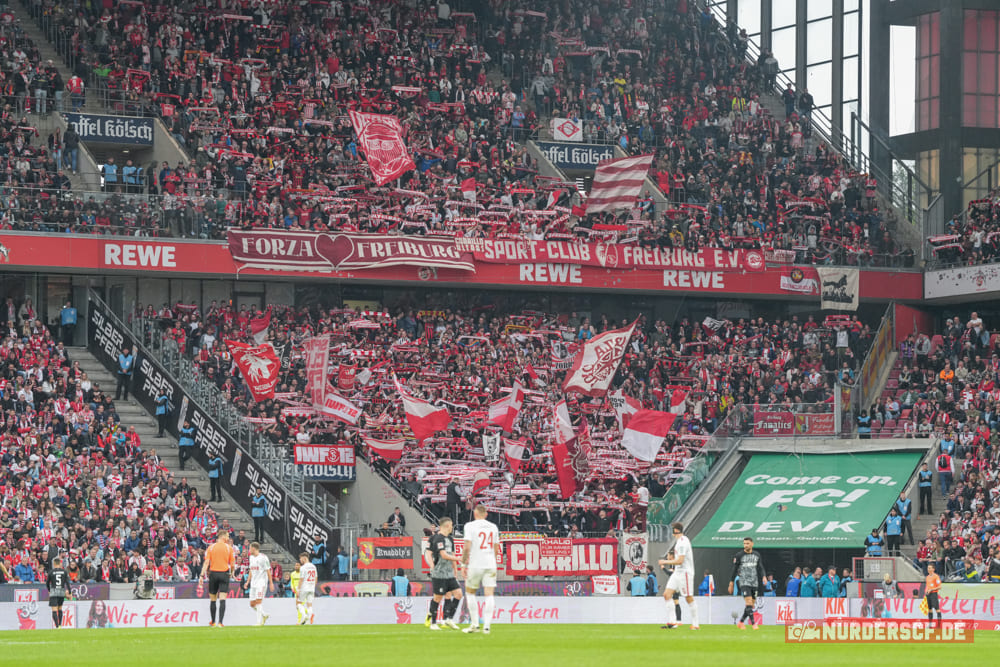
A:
509,610
328,463
288,522
609,255
128,130
385,553
815,500
97,256
785,423
961,281
310,251
575,157
551,558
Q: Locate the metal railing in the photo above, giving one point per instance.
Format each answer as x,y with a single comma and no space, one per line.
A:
273,458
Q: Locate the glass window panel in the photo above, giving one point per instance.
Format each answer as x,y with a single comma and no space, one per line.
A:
935,75
819,45
987,110
969,110
935,121
819,9
819,80
988,30
971,30
851,83
970,72
935,33
782,13
748,15
783,45
850,5
923,34
923,78
987,79
851,34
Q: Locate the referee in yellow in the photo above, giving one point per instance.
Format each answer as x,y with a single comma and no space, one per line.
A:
220,562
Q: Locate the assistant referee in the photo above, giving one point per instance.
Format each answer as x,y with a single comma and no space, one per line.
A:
220,562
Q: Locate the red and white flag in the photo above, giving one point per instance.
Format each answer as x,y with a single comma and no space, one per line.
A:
563,451
259,326
346,375
624,406
424,419
381,138
618,183
645,432
513,450
469,189
317,354
336,406
480,481
678,401
259,366
503,412
391,449
596,364
533,374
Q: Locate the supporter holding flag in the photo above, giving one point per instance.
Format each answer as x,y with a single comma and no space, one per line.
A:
503,412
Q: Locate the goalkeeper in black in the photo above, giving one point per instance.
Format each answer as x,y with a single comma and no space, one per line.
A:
749,567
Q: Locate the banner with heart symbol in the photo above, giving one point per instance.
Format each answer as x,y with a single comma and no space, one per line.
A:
309,251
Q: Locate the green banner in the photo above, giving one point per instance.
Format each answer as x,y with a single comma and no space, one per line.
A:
812,500
662,510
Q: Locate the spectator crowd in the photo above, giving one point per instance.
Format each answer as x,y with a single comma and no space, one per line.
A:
258,94
464,355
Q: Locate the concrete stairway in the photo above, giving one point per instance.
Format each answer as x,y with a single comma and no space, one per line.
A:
132,414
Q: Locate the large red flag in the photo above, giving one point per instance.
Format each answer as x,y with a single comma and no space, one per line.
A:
259,365
381,138
596,364
424,419
563,451
564,470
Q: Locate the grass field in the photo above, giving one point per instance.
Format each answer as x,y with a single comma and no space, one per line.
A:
514,646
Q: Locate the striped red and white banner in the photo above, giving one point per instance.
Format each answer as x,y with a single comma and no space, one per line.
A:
618,183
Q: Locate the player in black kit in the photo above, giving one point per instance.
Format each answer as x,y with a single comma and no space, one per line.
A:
749,567
57,583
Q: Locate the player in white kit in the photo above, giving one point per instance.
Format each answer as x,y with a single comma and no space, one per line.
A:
682,580
479,557
259,581
307,590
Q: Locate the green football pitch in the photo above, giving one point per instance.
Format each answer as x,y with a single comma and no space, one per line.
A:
515,646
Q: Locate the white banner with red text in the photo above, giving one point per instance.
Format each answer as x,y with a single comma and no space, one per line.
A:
720,610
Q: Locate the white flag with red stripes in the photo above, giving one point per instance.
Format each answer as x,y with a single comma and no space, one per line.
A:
645,432
424,419
503,412
618,183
